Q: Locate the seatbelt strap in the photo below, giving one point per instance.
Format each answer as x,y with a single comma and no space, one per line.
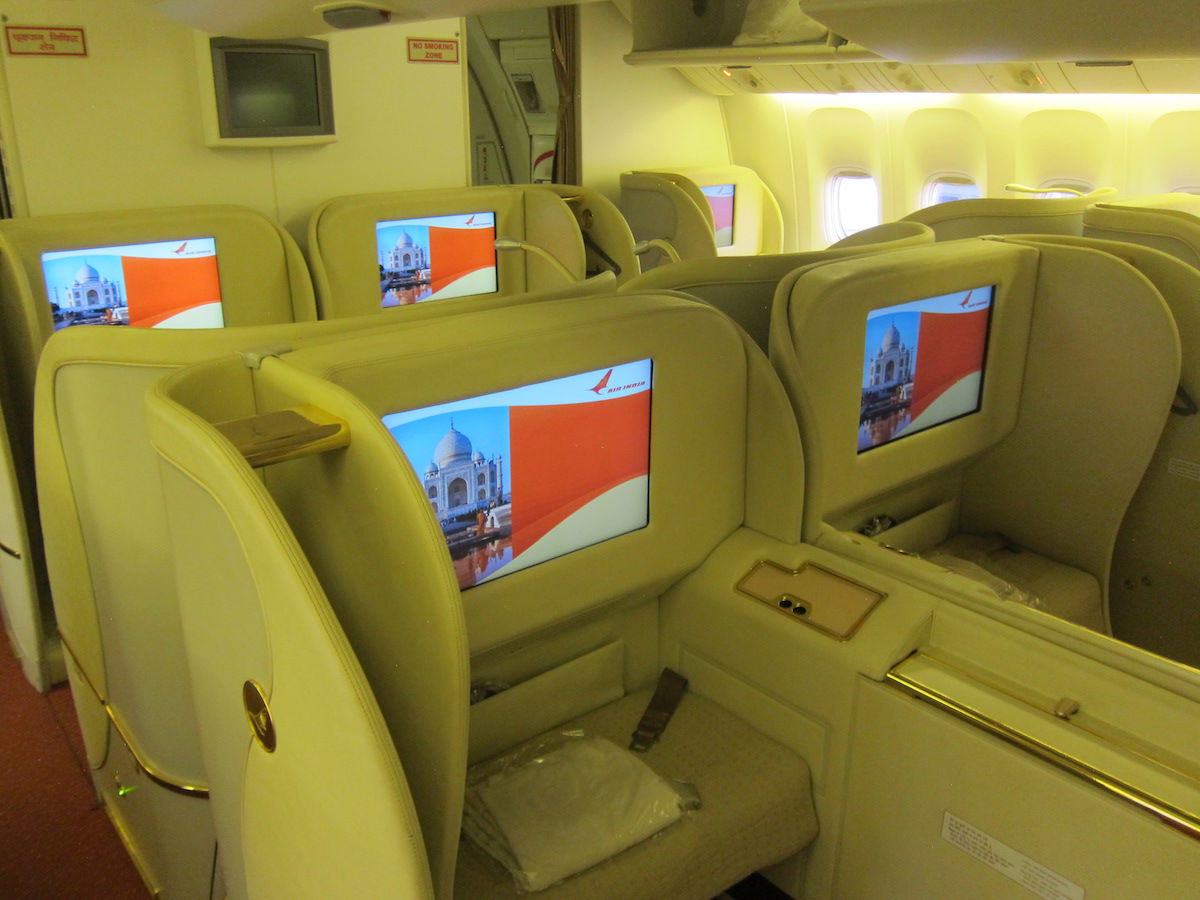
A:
663,704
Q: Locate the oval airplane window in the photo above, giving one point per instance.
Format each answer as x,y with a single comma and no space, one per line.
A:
947,187
851,203
1189,189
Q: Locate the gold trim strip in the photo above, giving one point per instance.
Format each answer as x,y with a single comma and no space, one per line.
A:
1180,819
187,790
1081,719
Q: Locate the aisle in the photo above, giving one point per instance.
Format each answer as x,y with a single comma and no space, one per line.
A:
55,839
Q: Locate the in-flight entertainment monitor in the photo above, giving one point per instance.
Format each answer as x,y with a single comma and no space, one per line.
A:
272,88
923,364
160,284
720,200
436,257
528,474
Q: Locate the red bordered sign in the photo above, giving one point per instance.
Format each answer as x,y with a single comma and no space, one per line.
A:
38,40
435,50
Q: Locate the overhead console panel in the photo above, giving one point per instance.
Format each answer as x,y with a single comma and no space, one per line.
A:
302,18
975,31
959,46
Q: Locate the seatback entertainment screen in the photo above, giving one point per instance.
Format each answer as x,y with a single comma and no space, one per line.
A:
923,364
720,201
436,257
528,474
161,284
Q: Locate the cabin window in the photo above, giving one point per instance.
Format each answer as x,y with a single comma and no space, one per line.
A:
851,203
1189,189
1064,187
946,187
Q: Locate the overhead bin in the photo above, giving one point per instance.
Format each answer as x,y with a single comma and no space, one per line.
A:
972,31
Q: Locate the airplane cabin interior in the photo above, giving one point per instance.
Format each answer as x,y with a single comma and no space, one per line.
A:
690,450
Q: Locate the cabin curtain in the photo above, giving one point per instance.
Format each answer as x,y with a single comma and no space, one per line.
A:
565,46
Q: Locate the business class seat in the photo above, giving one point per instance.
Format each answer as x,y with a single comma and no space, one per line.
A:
607,240
29,322
109,559
30,319
370,252
1023,474
957,219
1155,570
743,287
1166,222
673,214
574,636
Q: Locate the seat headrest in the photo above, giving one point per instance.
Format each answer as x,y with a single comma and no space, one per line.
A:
373,251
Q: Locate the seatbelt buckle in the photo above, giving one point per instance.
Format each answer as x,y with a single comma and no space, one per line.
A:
662,706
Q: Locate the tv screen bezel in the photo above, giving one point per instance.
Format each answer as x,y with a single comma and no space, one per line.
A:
993,295
317,50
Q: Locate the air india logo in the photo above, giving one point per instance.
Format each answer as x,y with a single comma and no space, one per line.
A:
967,304
602,389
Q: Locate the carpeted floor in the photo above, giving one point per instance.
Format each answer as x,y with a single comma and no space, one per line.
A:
55,839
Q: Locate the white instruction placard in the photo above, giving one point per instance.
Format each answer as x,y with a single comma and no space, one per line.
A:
1020,868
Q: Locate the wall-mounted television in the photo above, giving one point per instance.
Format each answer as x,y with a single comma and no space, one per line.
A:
721,200
436,257
528,474
159,284
272,89
923,364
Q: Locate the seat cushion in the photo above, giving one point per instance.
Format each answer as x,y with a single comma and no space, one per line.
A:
757,810
1060,590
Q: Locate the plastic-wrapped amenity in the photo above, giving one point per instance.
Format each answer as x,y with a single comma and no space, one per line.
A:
566,810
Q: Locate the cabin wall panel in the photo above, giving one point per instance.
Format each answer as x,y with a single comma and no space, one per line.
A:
939,141
1054,144
638,117
835,138
758,138
1137,144
401,126
121,128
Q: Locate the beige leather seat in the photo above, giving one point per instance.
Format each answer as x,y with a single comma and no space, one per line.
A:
672,218
607,240
743,287
575,637
104,537
1154,572
1022,474
500,241
957,219
245,240
1166,222
108,552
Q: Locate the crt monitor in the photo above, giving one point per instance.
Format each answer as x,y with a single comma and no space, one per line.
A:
720,200
524,475
272,89
159,284
923,364
436,257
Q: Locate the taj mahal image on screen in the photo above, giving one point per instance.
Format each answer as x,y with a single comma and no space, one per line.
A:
892,365
86,297
460,482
